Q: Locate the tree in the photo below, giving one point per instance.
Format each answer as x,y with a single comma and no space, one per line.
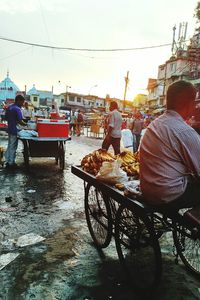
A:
197,12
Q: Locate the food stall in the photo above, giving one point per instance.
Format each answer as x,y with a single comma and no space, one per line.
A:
49,141
114,210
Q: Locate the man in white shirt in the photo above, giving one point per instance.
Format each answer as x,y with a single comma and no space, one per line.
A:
27,112
113,135
170,153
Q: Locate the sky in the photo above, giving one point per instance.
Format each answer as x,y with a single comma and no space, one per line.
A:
89,24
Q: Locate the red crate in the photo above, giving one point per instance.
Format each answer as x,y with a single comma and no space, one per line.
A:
52,128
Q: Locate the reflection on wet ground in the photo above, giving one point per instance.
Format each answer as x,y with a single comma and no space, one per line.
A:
66,265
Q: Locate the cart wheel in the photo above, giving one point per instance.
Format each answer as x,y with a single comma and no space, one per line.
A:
138,250
98,216
187,244
61,157
26,155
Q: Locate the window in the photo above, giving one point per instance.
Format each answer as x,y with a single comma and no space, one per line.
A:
71,98
172,67
62,100
35,99
78,99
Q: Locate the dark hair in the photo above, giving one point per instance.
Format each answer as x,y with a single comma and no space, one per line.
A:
19,98
114,104
178,94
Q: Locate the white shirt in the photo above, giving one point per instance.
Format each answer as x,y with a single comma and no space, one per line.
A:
27,112
115,121
169,154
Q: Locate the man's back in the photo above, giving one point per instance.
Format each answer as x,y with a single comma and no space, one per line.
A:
115,121
13,115
169,153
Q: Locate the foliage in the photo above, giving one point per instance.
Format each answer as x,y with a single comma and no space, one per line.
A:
197,11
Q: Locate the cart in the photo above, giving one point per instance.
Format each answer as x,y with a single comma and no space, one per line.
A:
44,147
137,228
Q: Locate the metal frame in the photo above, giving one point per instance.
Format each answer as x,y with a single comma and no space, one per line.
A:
44,147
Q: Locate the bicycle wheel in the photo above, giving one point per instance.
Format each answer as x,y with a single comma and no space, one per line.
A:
187,244
138,250
98,216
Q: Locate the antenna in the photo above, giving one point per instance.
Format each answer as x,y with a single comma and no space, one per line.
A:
173,40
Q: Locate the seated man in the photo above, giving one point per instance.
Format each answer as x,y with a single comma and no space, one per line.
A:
170,153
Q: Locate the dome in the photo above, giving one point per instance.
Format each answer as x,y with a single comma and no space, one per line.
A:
8,89
32,91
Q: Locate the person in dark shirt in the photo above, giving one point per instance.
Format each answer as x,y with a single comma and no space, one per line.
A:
13,116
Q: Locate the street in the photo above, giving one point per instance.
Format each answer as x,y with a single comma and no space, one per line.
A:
47,204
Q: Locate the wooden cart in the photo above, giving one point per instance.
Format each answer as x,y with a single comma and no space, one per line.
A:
137,228
44,147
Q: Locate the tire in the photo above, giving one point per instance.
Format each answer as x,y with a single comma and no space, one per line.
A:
61,158
187,244
138,250
98,216
26,155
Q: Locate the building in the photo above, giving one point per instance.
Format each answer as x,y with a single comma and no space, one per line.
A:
8,90
184,64
40,98
140,101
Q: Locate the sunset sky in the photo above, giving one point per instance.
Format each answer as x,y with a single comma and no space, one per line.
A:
89,24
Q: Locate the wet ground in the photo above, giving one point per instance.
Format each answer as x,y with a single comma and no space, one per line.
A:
65,265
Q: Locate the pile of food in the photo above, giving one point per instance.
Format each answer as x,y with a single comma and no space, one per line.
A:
129,163
92,162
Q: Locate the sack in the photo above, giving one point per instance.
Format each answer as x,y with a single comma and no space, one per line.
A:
132,188
127,138
111,173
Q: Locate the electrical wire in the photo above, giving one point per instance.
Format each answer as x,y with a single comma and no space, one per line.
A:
83,49
16,53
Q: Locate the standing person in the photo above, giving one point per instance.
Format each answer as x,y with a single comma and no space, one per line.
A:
79,123
137,127
14,116
27,112
170,153
113,135
72,124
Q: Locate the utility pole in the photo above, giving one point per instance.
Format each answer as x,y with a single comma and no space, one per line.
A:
67,86
125,90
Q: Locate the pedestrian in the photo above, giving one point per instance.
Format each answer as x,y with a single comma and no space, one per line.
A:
170,153
79,123
137,127
113,135
72,124
14,117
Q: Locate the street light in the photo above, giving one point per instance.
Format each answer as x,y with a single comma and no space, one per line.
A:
67,86
92,88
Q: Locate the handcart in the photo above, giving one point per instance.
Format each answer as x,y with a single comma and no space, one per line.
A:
44,147
137,228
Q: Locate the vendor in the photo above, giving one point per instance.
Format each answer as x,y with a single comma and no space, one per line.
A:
26,112
54,111
14,117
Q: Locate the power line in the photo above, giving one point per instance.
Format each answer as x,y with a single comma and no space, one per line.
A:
16,53
83,49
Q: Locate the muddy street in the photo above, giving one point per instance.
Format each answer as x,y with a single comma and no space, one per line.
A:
46,252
